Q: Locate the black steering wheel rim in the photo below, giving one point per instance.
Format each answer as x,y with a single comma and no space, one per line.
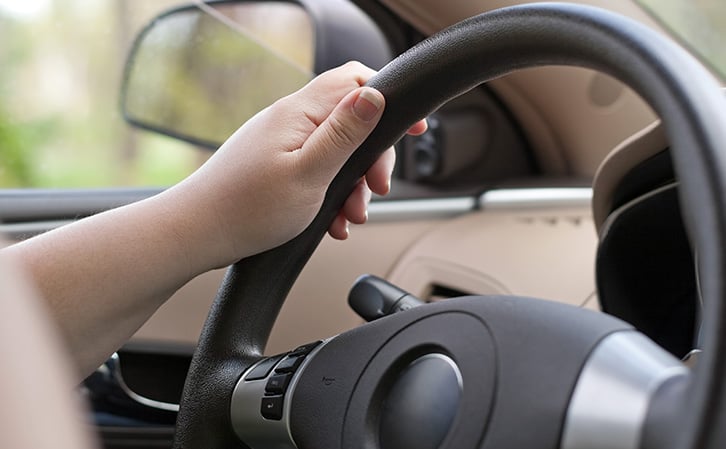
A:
676,86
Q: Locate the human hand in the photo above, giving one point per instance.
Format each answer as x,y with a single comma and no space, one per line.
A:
268,180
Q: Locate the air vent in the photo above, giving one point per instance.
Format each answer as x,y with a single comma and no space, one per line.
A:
441,292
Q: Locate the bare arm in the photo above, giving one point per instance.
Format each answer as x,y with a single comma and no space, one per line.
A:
104,276
38,409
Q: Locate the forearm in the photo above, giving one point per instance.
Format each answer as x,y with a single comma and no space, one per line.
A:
104,276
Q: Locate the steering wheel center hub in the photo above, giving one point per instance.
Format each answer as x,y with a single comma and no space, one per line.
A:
422,404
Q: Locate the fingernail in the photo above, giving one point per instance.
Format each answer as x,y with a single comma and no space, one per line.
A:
367,105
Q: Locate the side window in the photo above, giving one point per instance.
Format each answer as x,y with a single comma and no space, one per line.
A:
61,68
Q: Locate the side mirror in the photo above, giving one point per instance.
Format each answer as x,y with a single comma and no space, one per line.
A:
198,72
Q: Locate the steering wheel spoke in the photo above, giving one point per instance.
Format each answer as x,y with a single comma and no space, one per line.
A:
404,382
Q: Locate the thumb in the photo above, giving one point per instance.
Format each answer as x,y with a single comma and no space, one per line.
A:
342,132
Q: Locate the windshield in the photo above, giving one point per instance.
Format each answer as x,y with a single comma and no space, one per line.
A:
699,24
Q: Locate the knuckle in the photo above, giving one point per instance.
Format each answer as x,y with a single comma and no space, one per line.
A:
351,70
354,65
341,134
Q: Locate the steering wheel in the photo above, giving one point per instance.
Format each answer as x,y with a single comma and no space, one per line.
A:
481,372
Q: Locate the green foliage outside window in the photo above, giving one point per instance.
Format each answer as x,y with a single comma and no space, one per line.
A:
61,63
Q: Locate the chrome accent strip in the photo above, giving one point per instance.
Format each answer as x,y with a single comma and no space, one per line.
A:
378,211
421,209
396,210
247,421
610,402
18,205
114,364
525,198
536,198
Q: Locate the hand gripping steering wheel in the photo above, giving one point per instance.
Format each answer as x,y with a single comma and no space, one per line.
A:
481,372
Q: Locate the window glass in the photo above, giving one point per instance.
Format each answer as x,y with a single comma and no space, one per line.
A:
700,24
197,73
61,65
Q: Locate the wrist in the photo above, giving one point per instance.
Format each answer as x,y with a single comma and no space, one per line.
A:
195,226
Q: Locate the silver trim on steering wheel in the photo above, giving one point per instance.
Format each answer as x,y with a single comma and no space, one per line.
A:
616,386
249,425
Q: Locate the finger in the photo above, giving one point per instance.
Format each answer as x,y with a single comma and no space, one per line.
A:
378,177
325,91
350,71
418,128
342,132
339,227
355,208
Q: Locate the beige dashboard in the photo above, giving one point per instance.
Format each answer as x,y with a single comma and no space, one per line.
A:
546,253
532,243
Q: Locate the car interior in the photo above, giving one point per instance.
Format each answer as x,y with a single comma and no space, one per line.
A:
572,156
